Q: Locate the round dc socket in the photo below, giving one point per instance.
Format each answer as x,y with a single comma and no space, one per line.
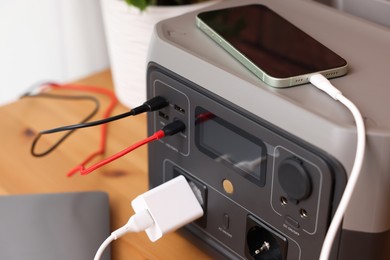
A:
294,179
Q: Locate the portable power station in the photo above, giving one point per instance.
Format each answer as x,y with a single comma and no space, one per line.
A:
269,166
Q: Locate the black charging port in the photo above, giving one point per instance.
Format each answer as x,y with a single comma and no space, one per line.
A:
179,108
263,243
163,115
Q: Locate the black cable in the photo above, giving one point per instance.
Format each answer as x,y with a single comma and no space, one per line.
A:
152,104
62,139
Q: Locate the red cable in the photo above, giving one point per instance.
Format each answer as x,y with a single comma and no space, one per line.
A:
103,133
157,135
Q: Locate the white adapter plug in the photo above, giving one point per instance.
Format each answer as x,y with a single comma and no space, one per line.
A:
171,206
164,208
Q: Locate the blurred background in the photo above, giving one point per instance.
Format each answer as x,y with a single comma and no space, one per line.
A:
63,40
57,40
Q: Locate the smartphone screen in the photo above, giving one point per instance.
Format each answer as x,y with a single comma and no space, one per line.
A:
274,49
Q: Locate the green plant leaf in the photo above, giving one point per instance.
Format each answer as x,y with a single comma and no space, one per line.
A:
141,4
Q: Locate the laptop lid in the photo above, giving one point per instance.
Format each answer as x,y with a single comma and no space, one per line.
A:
59,226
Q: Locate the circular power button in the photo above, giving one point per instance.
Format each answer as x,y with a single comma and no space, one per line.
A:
228,186
294,179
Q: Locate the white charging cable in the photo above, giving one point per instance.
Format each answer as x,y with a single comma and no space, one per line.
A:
138,222
162,209
324,84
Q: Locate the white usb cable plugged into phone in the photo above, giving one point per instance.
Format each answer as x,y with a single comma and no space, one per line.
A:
324,84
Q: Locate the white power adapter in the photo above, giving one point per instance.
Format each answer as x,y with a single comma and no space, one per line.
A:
162,209
171,206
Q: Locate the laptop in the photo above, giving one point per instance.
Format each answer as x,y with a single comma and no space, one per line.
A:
59,226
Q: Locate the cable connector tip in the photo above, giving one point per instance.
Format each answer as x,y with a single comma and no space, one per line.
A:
319,81
138,222
174,128
153,104
156,103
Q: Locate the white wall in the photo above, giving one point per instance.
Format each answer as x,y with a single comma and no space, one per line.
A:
377,11
58,40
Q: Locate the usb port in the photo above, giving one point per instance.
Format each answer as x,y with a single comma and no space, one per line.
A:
180,109
163,115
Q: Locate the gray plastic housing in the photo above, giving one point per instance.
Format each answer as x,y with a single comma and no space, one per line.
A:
304,111
186,57
241,166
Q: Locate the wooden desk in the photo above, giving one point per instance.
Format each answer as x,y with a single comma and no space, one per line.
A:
123,180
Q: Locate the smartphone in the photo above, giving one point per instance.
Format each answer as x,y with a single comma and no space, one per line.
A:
275,50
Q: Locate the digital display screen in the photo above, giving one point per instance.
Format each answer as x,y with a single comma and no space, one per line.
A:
276,46
227,144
